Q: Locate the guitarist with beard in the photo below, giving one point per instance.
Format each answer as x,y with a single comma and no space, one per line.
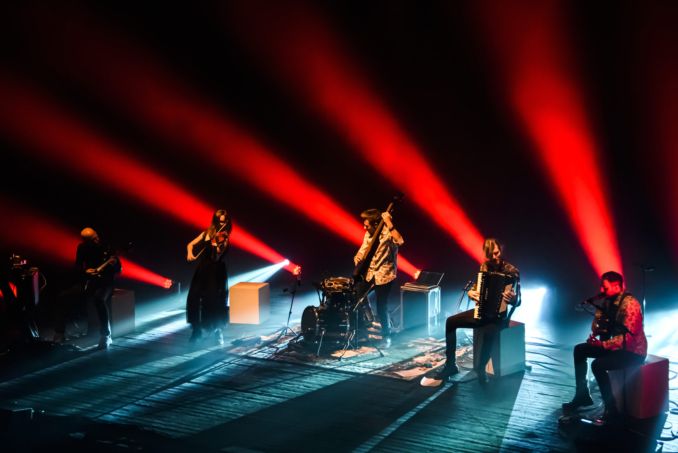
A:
376,261
96,266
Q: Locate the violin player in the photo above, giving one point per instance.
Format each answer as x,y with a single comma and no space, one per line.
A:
206,304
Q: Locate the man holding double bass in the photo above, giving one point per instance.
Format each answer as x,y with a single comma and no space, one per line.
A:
376,261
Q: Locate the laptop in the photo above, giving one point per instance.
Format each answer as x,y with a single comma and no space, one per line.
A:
426,280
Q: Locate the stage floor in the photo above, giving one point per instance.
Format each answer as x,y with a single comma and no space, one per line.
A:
154,391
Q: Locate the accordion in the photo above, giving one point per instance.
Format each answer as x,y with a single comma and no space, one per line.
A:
491,286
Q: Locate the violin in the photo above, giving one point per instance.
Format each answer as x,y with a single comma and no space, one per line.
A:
220,240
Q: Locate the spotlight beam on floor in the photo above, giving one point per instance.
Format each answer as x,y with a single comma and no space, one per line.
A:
121,73
297,45
538,74
69,144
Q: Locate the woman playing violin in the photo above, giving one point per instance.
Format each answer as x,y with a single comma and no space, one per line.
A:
206,304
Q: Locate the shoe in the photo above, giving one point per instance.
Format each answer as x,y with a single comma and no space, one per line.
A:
445,372
436,378
611,416
195,335
581,398
219,337
104,342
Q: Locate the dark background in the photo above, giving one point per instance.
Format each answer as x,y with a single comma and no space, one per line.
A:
429,64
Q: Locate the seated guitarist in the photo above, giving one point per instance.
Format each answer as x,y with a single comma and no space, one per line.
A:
96,267
617,341
494,262
381,270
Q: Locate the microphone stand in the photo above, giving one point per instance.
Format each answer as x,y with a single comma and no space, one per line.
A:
287,327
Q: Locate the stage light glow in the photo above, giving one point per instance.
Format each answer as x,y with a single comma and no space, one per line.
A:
663,338
20,228
66,143
297,43
257,275
530,310
542,88
145,90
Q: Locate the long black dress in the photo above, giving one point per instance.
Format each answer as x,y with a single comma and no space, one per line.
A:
206,304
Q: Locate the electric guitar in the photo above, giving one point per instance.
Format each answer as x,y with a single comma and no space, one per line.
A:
99,270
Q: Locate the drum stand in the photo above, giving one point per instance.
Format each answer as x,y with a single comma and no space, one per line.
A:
353,334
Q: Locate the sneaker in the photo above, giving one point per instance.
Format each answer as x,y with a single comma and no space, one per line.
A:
436,378
446,371
104,342
219,337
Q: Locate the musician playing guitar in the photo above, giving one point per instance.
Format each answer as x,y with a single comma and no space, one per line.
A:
376,261
617,341
96,266
494,262
206,304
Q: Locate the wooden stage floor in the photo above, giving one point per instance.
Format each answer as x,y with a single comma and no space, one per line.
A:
152,391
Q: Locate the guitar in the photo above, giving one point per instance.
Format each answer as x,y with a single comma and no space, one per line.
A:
99,270
360,270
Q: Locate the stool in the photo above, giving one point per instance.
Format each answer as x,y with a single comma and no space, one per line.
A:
508,350
122,314
645,390
249,302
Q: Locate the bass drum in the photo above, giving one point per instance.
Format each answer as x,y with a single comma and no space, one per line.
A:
326,323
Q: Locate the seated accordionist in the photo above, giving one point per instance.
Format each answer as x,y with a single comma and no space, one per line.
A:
499,287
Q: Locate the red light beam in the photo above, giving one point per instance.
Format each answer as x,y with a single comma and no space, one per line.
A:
66,143
542,89
26,230
297,44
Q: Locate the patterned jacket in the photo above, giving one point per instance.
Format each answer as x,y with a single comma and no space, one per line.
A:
630,315
385,260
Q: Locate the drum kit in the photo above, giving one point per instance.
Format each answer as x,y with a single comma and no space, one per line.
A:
338,318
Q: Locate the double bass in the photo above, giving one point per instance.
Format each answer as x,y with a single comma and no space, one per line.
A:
360,270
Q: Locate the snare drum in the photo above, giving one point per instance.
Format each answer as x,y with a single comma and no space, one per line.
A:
338,292
337,285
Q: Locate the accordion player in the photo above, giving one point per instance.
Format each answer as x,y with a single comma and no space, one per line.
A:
491,287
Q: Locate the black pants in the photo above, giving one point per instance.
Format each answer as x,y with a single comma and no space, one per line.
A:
465,320
76,298
381,293
605,360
